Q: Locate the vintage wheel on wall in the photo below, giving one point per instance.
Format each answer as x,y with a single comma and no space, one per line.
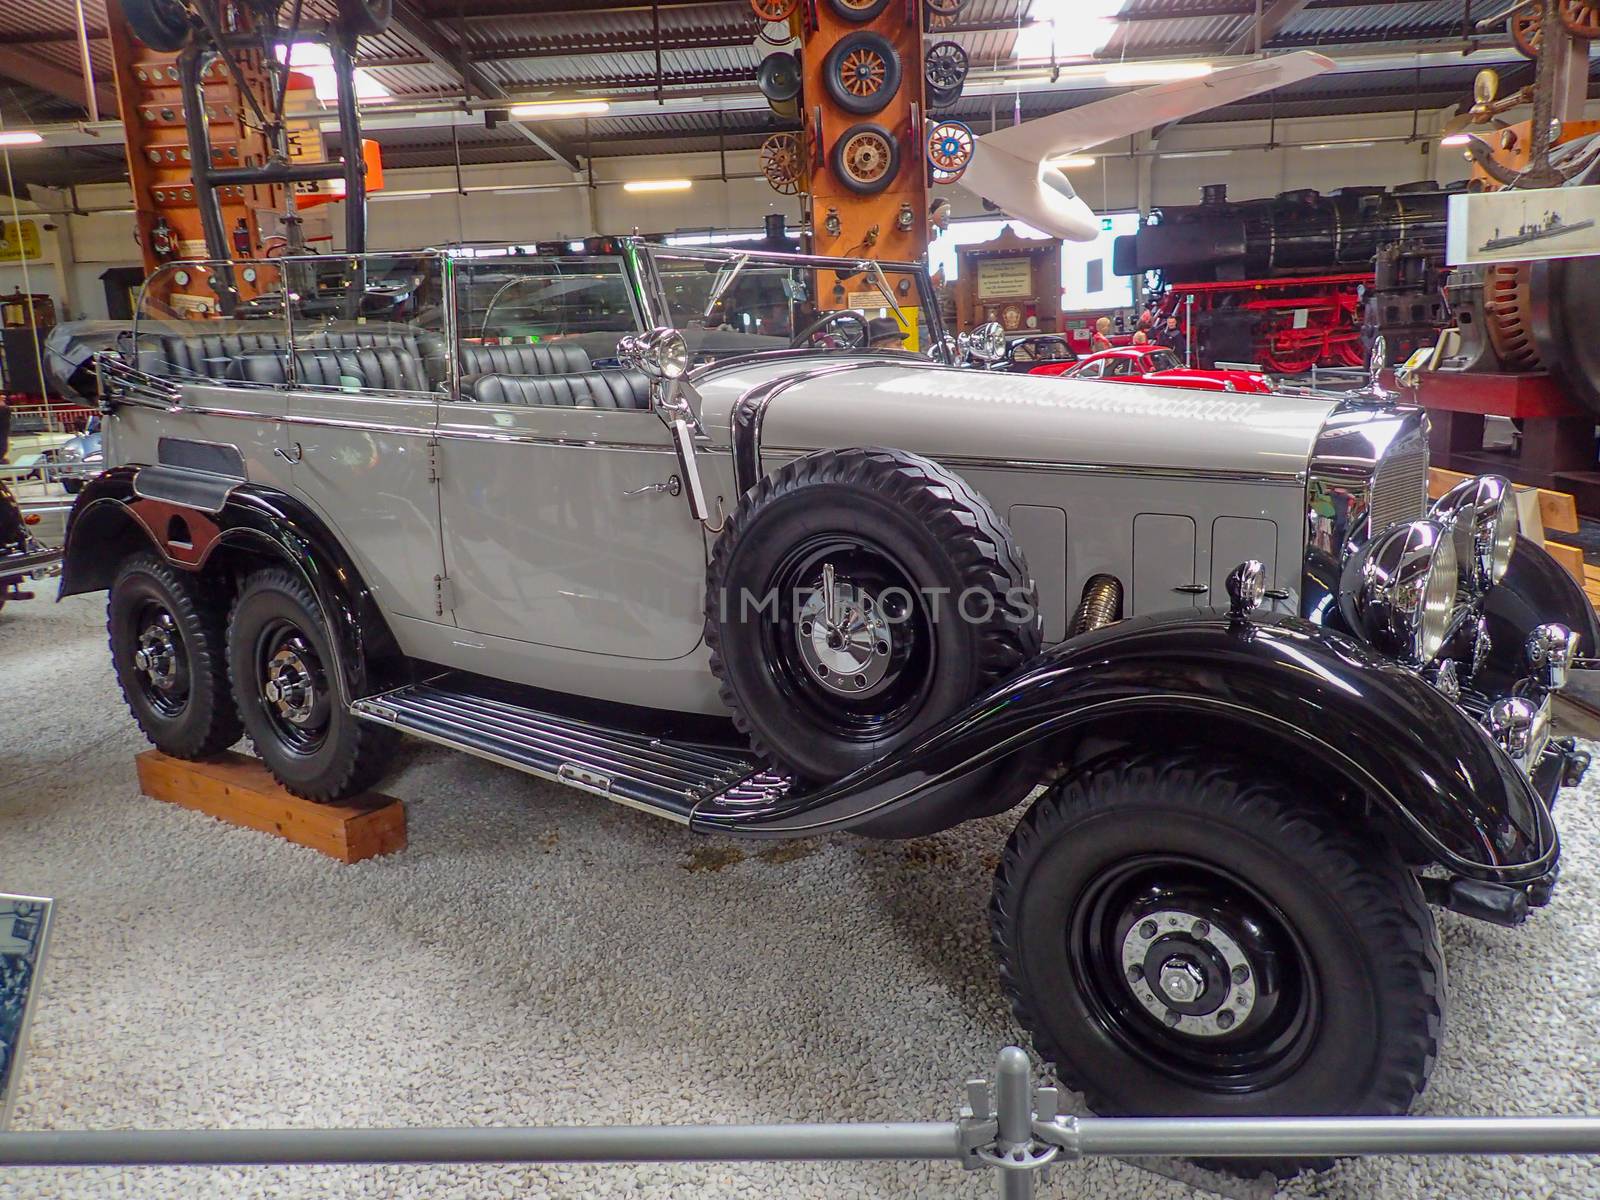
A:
1582,18
941,99
780,162
942,12
862,73
856,658
945,67
160,24
774,10
950,146
778,78
1526,28
859,11
866,158
364,17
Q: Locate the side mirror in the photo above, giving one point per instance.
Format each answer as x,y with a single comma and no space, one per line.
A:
987,343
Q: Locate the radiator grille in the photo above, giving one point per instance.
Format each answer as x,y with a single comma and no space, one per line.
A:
1400,485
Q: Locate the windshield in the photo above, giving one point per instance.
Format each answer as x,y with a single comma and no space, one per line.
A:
1164,360
740,303
584,299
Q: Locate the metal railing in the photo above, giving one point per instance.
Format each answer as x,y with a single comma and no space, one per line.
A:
1007,1126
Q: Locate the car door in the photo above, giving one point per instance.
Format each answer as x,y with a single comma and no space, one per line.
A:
561,530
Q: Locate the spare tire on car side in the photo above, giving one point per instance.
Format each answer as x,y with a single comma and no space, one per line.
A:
855,599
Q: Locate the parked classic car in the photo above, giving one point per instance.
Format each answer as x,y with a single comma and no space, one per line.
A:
22,556
80,459
1158,366
776,588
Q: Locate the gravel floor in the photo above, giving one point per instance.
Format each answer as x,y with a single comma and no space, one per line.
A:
537,956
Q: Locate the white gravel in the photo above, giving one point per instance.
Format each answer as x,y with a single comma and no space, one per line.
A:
539,957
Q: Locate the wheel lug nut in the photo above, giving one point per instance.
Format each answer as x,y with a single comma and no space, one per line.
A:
1135,973
1225,1019
1200,929
1147,930
1241,974
1172,1019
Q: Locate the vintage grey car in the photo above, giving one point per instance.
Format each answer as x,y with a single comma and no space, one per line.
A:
653,523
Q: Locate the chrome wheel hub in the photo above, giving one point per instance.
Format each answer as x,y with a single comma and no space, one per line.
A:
846,641
1190,975
157,654
289,686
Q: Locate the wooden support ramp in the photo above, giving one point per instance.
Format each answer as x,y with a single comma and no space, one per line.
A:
239,790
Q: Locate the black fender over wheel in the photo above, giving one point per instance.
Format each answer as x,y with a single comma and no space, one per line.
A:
1188,936
166,633
283,674
162,25
858,597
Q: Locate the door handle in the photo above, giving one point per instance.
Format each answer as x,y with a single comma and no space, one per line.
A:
290,456
672,487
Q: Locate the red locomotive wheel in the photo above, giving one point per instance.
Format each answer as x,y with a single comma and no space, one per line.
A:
866,158
862,73
774,10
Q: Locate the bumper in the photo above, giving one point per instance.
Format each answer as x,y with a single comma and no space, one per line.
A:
35,560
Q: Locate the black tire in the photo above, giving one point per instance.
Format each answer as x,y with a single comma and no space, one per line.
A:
177,689
1339,1012
940,99
778,77
360,18
862,73
859,11
893,526
845,162
304,734
163,25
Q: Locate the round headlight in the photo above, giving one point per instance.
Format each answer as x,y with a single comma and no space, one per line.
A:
988,343
663,353
1481,515
1400,591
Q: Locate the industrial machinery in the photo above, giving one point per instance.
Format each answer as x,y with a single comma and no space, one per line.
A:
1301,279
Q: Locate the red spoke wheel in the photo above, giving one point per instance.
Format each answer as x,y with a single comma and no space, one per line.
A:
950,146
780,162
862,73
1527,30
774,10
1582,18
866,158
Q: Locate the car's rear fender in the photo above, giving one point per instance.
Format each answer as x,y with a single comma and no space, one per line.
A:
217,528
1302,700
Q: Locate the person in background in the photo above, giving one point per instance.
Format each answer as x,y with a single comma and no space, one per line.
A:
1171,335
1102,335
1141,338
884,333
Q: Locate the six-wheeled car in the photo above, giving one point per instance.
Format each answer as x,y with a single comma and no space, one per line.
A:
645,523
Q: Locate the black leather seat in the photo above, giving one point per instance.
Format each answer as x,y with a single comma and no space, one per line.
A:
393,357
585,389
207,355
552,358
377,368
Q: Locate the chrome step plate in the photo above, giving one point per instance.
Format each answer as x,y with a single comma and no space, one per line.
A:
659,775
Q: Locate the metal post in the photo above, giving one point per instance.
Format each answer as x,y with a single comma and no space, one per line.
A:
86,63
1013,1103
355,166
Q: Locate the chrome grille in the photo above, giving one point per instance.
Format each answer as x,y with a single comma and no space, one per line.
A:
1400,484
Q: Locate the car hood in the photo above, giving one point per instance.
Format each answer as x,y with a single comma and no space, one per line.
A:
947,412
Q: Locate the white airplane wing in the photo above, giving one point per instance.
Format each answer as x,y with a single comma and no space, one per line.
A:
1009,167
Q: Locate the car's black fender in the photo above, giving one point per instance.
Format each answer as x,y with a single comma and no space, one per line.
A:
1535,589
209,524
1274,688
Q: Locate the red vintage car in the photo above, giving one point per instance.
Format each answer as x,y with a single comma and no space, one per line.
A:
1156,365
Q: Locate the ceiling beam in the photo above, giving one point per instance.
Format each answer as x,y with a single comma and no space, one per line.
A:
21,67
424,32
1259,33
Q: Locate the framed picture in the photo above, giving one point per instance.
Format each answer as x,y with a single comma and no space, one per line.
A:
24,926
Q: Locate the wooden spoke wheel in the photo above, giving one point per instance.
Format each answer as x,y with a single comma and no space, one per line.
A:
1582,18
945,66
866,158
862,72
935,175
944,8
776,33
1527,29
950,149
780,162
774,10
859,11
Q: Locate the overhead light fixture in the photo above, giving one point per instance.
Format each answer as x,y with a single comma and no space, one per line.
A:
1155,72
1196,154
551,110
20,137
1070,162
1456,139
315,61
1339,146
658,185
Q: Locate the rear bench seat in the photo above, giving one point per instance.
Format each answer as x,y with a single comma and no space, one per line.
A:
550,358
421,361
379,368
583,389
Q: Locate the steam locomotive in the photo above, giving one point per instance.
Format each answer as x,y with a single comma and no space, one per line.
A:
1299,280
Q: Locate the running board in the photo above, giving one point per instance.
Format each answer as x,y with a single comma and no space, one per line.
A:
661,776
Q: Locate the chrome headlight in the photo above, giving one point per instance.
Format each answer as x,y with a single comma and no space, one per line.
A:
1400,591
661,353
1481,515
987,343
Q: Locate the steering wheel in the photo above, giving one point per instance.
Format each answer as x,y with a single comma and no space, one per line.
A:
855,339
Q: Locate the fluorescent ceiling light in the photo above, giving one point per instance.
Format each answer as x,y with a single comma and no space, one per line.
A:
1339,146
316,62
1070,162
1456,139
20,137
658,185
547,110
1155,72
1197,154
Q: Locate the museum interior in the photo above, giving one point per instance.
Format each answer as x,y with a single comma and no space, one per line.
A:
806,598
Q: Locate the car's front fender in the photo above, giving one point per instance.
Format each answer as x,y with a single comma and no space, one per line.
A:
1277,689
